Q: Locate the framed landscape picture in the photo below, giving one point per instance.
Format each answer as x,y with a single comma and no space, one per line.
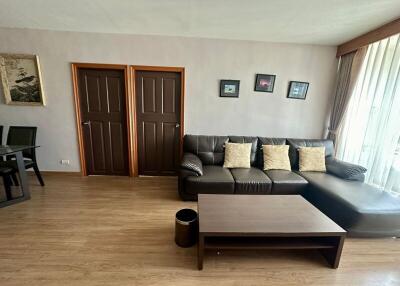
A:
21,79
264,82
229,88
297,89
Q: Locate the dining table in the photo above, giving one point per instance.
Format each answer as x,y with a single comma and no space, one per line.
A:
16,151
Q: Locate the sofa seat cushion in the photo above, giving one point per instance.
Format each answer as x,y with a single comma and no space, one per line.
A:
251,181
361,209
215,180
286,182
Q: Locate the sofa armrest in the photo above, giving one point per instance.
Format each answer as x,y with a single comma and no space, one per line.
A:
192,163
345,170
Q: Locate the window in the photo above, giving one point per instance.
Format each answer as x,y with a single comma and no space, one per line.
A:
370,132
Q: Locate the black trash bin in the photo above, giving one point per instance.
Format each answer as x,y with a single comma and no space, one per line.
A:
186,227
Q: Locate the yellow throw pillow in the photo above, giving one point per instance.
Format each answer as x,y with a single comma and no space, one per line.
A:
276,157
237,155
312,159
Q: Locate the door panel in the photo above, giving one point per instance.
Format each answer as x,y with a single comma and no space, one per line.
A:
158,117
92,93
103,115
117,146
169,96
169,133
148,157
96,130
115,100
149,95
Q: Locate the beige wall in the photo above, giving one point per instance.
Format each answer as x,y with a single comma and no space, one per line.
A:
206,62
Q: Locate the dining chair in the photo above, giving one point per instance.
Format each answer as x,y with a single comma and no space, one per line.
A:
5,172
25,135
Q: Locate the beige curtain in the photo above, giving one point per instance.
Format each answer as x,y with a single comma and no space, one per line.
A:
349,69
370,132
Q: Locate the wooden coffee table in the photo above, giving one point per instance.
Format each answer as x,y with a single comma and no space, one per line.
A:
266,222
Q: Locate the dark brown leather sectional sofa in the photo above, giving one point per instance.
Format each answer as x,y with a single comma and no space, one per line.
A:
361,209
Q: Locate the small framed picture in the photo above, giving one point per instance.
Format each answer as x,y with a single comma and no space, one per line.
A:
229,88
265,82
297,89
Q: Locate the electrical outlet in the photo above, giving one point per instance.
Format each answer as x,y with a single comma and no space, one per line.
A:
64,162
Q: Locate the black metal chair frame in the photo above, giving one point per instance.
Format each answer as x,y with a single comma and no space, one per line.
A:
1,134
7,173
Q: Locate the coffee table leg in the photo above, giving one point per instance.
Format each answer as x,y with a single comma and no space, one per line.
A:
200,252
333,255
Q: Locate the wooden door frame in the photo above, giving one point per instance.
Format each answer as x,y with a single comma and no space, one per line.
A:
133,70
128,105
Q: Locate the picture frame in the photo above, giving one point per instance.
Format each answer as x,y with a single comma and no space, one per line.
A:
229,88
21,79
265,83
298,89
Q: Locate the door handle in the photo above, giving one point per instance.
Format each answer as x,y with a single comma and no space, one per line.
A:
177,125
86,123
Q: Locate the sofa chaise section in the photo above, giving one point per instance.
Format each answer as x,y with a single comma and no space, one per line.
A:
361,209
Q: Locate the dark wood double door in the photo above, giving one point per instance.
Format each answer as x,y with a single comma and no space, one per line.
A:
104,121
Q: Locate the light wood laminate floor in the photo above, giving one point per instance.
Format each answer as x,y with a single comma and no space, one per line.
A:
120,231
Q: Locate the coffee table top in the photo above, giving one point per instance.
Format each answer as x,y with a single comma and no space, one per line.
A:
272,215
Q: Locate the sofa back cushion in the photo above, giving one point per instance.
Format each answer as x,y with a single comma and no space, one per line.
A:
210,149
254,146
266,141
295,144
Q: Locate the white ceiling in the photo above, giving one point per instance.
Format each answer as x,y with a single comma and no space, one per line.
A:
326,22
